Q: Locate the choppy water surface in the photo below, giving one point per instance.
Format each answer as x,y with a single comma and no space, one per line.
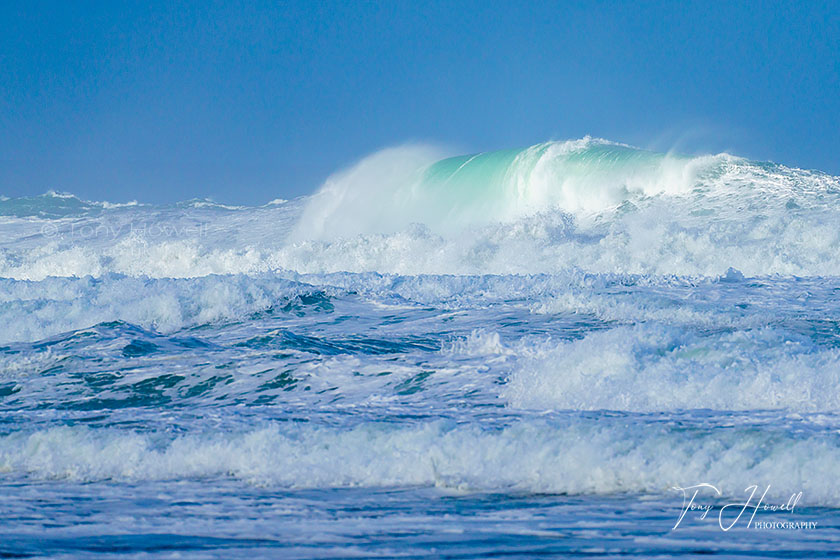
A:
513,354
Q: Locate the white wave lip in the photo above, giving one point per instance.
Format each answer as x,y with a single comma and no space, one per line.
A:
578,458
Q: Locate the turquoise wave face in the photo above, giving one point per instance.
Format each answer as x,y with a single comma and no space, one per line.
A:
46,206
586,175
477,171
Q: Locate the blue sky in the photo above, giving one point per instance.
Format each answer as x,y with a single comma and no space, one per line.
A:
244,102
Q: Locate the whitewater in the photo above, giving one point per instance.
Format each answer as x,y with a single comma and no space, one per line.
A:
520,353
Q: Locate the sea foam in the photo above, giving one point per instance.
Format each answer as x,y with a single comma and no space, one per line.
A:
582,457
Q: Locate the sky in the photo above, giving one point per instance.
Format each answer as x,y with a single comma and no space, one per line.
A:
246,102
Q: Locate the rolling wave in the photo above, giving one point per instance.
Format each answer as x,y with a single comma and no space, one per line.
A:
394,188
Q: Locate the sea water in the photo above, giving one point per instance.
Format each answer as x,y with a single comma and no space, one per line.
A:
576,349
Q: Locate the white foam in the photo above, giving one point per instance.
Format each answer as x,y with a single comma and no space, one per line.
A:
533,456
650,367
35,310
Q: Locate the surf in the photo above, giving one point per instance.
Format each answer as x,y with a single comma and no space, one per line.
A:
389,190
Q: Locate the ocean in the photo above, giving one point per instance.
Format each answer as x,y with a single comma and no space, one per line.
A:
578,349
